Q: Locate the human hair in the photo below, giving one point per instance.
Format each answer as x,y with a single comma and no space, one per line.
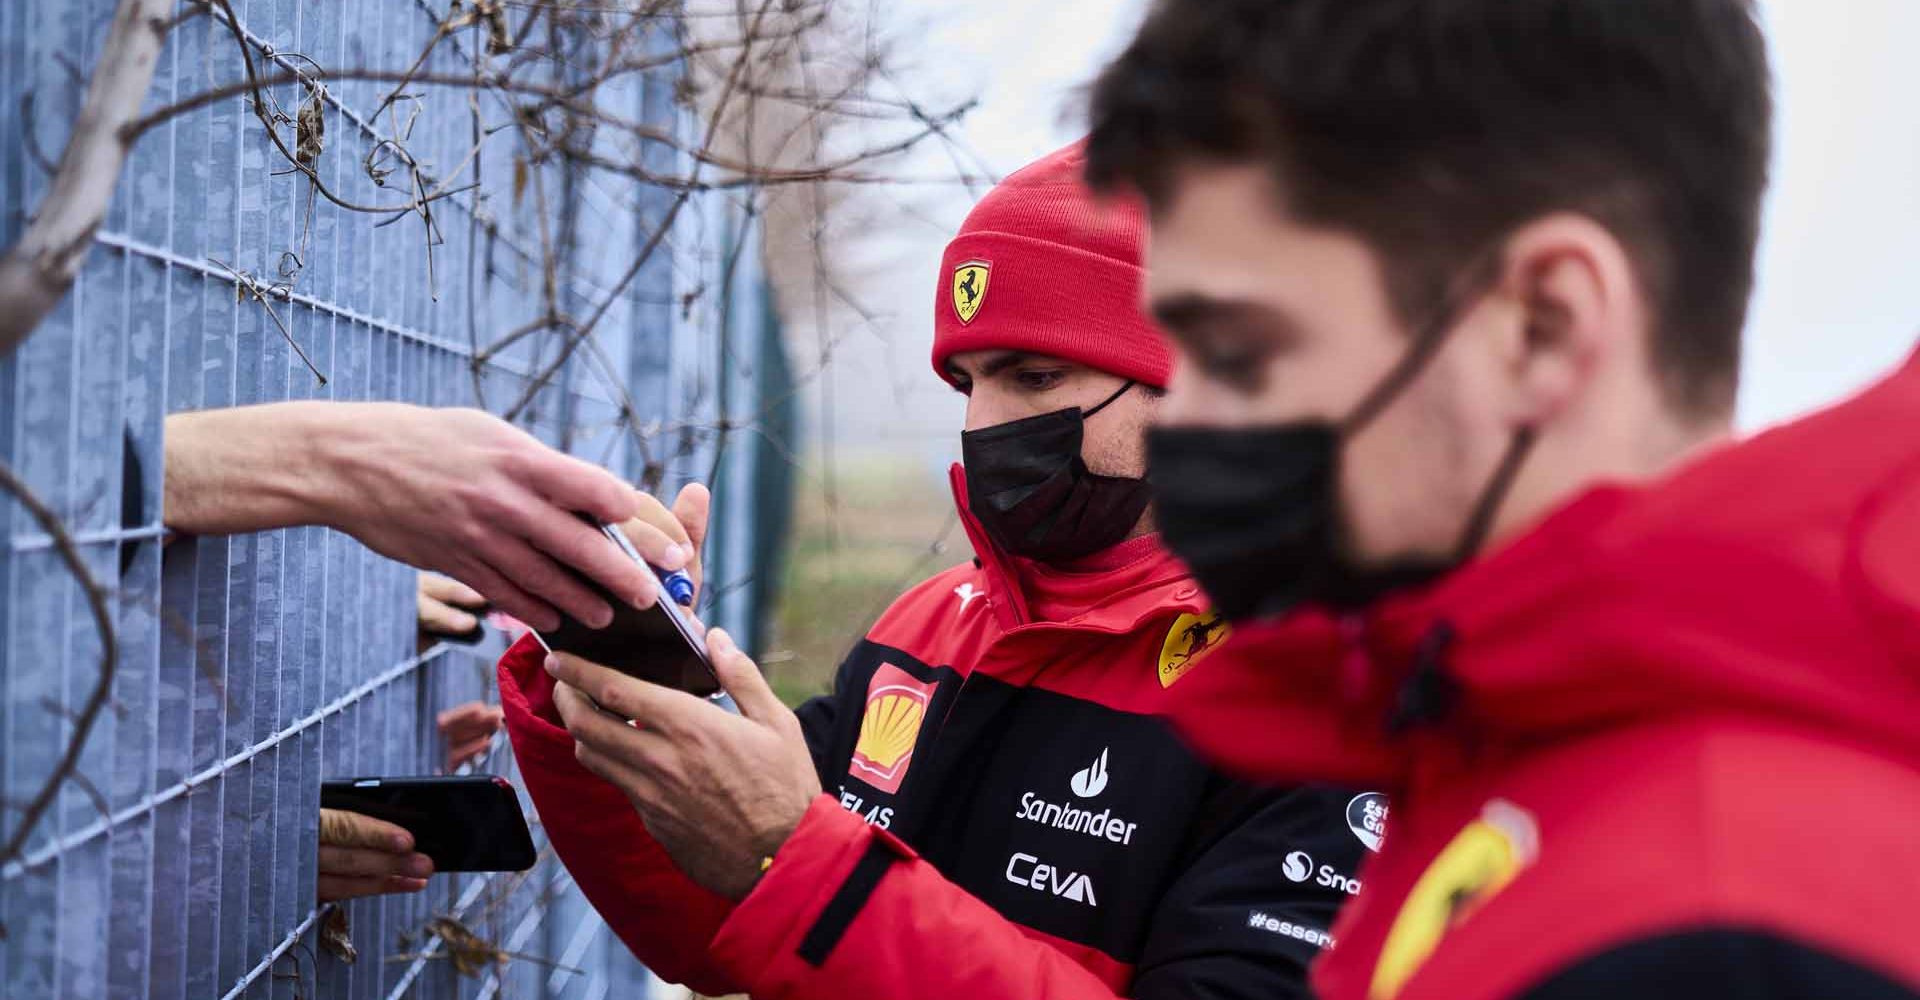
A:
1431,129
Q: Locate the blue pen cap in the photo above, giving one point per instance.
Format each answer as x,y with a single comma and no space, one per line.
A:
679,587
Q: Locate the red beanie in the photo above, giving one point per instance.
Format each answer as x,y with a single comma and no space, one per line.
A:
1041,265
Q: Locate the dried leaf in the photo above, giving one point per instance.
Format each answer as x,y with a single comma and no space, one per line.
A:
494,14
335,936
471,953
519,180
310,127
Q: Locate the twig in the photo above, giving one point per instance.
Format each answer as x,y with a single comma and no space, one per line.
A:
246,284
84,719
260,104
660,231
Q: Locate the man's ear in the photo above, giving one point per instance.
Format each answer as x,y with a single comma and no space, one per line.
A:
1573,285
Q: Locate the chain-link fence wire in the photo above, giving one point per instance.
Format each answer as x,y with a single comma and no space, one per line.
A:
313,234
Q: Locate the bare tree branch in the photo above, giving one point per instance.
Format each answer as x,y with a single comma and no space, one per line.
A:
89,713
37,271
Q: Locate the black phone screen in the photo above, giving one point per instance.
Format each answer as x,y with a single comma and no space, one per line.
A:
658,644
465,823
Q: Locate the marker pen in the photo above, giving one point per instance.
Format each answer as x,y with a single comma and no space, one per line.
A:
679,586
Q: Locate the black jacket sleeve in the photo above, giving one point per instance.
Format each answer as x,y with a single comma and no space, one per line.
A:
1253,908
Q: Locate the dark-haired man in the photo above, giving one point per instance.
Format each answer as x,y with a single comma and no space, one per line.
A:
1004,815
1457,288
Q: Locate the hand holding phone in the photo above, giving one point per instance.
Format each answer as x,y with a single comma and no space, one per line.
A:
465,823
660,644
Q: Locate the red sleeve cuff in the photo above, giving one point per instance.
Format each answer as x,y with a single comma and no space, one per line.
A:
763,933
662,916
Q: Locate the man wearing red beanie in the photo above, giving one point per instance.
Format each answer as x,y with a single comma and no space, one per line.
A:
986,805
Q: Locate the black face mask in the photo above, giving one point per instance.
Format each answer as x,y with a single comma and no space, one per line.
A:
1254,512
1030,490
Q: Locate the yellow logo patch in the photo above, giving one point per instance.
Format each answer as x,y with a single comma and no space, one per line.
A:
1190,638
1481,860
889,727
969,289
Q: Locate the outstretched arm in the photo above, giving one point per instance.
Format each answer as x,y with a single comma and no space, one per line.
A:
459,492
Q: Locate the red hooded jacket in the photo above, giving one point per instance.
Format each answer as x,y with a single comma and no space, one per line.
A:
1665,744
1006,816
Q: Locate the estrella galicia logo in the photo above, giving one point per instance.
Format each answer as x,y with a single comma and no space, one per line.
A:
1367,818
1092,779
1298,866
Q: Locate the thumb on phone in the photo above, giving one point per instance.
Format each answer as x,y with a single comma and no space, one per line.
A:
743,682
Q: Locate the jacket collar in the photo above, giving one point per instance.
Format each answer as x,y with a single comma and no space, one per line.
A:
1111,591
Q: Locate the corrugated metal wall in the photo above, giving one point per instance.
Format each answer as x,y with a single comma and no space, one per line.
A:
179,860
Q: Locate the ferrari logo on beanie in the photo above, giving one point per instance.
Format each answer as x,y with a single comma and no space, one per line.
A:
969,289
1066,270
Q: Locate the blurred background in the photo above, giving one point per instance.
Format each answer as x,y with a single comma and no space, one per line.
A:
1838,297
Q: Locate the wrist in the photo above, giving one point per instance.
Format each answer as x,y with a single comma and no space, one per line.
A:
342,441
769,843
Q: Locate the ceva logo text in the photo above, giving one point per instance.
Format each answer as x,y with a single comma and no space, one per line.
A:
1025,869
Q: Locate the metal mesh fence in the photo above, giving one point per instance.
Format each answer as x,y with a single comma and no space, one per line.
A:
178,860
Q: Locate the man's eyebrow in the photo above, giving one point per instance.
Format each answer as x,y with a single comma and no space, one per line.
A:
1001,362
1192,314
995,364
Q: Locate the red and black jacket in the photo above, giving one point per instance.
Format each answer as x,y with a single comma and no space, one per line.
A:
1005,814
1666,744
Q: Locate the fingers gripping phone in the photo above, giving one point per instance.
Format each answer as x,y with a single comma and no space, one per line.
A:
659,644
465,823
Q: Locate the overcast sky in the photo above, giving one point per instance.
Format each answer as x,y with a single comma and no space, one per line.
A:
1839,290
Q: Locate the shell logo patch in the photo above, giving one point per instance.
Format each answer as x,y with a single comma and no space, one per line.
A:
969,289
1191,638
889,727
1482,859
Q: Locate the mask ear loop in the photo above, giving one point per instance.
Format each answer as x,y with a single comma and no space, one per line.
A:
1496,491
1410,365
1425,345
1117,393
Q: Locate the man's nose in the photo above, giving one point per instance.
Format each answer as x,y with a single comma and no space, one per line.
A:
984,411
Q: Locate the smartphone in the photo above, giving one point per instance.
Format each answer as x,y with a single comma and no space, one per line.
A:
465,823
660,644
